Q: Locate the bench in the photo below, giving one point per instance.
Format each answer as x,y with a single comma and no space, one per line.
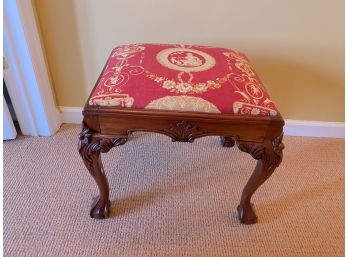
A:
184,92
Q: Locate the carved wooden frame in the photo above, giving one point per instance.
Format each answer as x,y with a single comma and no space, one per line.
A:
106,127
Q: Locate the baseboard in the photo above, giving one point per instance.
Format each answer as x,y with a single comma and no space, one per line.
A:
314,128
292,127
71,114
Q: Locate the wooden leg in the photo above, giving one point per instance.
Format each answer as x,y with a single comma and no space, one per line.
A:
227,141
90,148
101,204
269,156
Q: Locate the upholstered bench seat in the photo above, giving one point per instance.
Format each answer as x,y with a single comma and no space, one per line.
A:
181,78
184,92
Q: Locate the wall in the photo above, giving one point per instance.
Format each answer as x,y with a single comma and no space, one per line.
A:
296,46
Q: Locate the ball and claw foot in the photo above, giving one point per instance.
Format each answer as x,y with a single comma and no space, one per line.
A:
99,210
246,214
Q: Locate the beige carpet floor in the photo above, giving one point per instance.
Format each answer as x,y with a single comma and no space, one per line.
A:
171,199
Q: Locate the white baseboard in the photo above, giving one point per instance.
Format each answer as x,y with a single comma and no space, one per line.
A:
71,114
314,128
292,127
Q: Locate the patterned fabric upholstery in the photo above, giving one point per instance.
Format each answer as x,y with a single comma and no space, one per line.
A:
181,78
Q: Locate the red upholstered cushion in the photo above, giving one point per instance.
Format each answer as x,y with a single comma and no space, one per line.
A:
181,78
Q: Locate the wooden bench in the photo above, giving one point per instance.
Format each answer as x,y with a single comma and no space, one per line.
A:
184,92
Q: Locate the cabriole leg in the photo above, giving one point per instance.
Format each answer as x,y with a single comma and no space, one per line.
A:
90,148
269,156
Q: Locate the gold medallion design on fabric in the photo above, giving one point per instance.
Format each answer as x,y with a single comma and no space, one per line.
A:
185,59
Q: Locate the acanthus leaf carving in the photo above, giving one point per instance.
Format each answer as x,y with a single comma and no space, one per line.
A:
270,152
255,150
84,136
90,147
278,146
184,131
107,143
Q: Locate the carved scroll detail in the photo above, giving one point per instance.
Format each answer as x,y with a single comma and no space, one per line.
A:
256,151
184,131
227,141
88,146
270,154
278,147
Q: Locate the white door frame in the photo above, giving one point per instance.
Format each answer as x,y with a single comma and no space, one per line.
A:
26,75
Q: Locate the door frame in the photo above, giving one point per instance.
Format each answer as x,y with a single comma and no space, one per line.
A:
26,74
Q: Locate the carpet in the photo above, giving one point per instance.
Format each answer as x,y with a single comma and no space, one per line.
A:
171,199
